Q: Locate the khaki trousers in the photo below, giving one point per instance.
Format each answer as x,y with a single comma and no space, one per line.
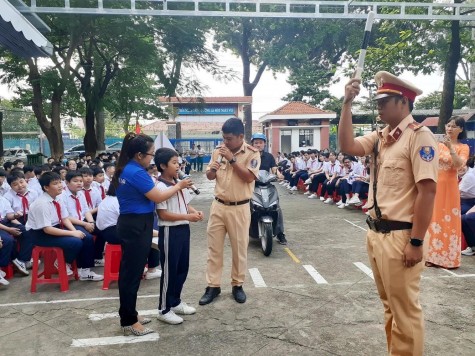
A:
233,220
398,288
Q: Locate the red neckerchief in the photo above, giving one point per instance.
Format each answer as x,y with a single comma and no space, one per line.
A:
78,206
87,194
24,203
58,212
171,184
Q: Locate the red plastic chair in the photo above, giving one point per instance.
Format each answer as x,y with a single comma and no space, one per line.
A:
111,264
8,270
464,242
50,255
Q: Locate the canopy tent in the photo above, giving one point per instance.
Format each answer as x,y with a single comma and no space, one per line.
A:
19,35
162,141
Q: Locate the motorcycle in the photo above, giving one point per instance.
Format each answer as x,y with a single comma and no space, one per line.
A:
264,205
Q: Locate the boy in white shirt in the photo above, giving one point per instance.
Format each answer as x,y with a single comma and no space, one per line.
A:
109,170
174,239
98,176
4,187
33,183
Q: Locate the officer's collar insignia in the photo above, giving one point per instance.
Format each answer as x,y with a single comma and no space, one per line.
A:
427,153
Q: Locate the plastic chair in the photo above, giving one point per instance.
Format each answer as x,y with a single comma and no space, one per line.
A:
111,264
50,255
8,271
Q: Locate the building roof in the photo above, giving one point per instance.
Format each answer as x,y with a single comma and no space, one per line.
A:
433,121
207,100
297,110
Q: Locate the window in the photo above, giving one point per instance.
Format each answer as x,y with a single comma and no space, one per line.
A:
305,138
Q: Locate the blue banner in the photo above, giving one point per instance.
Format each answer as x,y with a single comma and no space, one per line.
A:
217,110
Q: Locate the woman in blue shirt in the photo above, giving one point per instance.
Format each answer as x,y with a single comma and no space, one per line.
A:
137,196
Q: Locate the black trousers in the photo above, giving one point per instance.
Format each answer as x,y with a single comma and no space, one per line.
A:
174,244
135,234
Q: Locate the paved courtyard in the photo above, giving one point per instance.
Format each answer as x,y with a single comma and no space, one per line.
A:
315,296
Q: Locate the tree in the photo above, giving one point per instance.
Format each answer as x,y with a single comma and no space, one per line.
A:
433,99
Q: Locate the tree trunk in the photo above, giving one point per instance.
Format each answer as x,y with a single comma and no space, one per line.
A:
472,85
100,129
1,136
90,143
450,71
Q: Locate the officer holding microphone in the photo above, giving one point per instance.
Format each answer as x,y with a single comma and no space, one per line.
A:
235,166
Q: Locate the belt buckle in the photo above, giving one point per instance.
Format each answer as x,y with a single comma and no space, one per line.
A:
371,223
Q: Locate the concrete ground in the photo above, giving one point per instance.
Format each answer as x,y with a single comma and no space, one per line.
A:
314,298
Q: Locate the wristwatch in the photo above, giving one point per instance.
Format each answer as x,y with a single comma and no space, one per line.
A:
232,160
416,242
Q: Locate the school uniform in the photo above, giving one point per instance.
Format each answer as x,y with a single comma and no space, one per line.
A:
108,213
100,188
93,196
34,185
107,182
4,188
9,240
333,170
46,211
174,246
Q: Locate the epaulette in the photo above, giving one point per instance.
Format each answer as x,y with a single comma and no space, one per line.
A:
252,148
414,126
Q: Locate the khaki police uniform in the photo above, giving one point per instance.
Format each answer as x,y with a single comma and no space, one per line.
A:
407,155
230,213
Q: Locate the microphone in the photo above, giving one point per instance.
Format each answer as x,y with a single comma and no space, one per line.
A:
219,160
182,176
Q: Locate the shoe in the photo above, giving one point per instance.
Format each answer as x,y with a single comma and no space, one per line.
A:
170,318
153,275
281,239
2,273
293,189
3,281
210,294
238,294
339,203
29,264
343,206
20,265
469,251
308,181
322,198
183,309
328,201
282,183
313,196
307,193
354,200
129,330
69,271
85,274
144,321
99,263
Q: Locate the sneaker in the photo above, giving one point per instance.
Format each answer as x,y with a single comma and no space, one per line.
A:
281,239
20,265
69,271
170,318
3,281
152,275
339,203
328,201
183,309
85,274
29,264
313,196
354,200
293,189
308,181
2,273
322,198
99,263
307,193
343,206
282,183
469,251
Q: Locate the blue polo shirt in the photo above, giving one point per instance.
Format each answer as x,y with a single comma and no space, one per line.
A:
134,183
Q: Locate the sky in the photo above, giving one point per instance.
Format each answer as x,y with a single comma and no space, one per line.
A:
268,93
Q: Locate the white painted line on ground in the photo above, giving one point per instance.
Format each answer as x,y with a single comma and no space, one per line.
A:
59,301
365,269
359,227
114,340
97,317
457,275
315,275
257,278
450,272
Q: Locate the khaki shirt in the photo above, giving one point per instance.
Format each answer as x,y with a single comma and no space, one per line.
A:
229,187
407,155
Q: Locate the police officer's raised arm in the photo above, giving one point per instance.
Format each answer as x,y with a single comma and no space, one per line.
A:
345,128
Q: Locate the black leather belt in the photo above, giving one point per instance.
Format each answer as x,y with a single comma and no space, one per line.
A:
386,226
232,202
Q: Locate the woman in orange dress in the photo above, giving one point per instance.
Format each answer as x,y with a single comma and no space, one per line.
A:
445,231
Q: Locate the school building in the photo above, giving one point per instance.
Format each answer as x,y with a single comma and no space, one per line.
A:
297,126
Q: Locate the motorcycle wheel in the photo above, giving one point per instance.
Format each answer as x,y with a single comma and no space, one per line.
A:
266,238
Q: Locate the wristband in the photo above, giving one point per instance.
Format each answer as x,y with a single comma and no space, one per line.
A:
416,242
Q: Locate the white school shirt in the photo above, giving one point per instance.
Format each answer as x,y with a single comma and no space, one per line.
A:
99,187
333,169
313,164
16,202
4,188
107,182
96,196
108,213
467,185
34,184
5,208
66,198
300,164
177,204
43,213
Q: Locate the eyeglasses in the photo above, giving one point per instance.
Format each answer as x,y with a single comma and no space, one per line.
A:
148,154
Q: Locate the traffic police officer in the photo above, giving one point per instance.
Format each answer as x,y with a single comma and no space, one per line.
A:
235,166
258,140
402,192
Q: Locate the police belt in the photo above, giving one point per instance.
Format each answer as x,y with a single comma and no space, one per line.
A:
386,226
232,202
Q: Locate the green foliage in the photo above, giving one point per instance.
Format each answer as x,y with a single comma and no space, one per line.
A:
433,99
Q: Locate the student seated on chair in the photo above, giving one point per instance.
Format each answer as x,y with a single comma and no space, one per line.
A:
50,226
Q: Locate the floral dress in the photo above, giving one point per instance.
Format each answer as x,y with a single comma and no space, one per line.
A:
445,230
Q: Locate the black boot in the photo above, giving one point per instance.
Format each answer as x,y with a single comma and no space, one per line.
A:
210,294
238,294
281,238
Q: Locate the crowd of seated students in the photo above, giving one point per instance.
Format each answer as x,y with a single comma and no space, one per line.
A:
61,204
325,173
